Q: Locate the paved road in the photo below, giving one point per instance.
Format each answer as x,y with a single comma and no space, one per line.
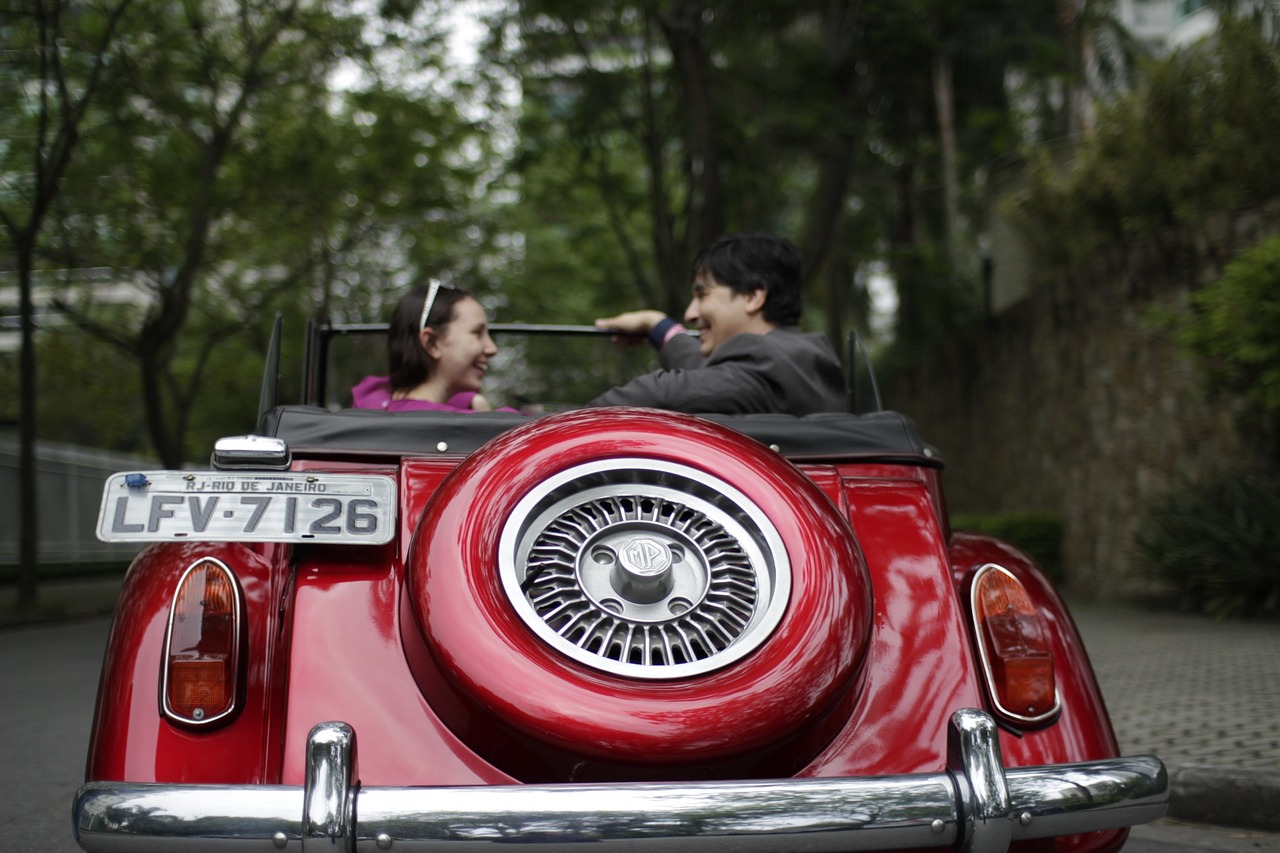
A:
1194,691
50,680
50,673
1204,695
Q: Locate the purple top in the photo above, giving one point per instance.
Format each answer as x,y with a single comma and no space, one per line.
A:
374,392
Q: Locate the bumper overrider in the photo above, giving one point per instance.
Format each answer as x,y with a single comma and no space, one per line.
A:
976,804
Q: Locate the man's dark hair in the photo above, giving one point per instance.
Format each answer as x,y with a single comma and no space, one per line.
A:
410,365
750,261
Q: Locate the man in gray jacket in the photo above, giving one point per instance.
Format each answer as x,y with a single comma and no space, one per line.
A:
750,356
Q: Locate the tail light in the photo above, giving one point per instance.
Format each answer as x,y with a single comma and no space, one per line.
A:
202,655
1013,644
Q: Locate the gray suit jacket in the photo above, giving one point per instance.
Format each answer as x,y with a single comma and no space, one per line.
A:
786,370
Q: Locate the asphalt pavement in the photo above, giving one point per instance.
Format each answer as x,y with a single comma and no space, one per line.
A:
1202,694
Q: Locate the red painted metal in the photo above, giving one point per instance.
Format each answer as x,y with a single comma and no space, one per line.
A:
414,644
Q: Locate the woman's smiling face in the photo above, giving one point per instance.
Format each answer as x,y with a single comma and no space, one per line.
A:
463,348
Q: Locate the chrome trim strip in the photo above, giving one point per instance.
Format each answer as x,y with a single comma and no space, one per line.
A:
111,816
809,814
969,808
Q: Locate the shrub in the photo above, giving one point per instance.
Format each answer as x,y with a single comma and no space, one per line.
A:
1037,533
1234,332
1214,543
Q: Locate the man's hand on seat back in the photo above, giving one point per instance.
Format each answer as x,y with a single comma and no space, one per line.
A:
632,326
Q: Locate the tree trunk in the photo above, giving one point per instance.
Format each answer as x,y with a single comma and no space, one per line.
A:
670,259
944,102
825,213
53,153
29,516
1078,102
707,215
167,445
905,242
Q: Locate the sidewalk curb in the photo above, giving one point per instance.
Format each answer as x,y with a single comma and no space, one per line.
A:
1248,799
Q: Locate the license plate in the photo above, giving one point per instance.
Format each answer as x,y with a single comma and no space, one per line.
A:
215,506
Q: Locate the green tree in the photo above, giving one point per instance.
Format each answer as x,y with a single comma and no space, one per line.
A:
232,181
664,122
59,51
187,93
647,128
1191,140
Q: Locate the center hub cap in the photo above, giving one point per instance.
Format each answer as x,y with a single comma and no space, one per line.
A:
643,572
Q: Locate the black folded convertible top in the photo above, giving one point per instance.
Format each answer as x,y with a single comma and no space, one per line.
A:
829,436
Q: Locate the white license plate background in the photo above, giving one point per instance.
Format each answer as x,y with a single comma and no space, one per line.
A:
218,506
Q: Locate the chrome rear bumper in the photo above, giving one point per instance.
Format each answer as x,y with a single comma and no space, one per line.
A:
976,804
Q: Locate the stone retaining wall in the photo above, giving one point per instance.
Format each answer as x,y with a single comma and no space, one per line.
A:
1076,401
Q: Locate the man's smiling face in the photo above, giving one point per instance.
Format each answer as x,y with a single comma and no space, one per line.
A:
719,312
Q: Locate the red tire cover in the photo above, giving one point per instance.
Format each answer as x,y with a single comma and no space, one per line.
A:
528,708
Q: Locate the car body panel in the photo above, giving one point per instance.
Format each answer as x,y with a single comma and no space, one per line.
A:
919,665
130,739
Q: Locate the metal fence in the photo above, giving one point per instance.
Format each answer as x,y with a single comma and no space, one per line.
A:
69,483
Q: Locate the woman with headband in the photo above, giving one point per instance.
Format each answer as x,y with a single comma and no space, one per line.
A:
440,349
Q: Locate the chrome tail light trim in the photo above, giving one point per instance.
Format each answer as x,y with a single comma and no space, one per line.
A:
234,635
988,665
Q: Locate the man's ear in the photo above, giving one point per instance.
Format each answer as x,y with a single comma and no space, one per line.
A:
755,300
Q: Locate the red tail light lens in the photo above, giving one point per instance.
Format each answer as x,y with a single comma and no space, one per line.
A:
202,648
1013,643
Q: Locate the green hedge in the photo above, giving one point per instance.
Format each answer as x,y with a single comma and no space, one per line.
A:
1037,533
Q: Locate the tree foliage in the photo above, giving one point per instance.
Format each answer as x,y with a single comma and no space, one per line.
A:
648,128
1233,329
225,174
1192,139
224,178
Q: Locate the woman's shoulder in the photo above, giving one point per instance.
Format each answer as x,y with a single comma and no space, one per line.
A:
372,392
461,401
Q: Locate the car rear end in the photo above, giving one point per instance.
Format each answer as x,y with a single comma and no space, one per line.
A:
619,627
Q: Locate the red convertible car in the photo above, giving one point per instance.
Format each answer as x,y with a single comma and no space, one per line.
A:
614,629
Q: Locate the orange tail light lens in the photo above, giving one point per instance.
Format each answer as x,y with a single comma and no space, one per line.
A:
1013,643
202,648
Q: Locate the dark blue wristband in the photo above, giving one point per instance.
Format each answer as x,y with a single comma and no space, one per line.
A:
658,333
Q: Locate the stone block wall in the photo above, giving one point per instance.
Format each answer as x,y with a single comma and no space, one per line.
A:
1076,400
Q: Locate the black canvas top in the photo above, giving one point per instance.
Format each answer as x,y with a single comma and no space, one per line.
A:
828,436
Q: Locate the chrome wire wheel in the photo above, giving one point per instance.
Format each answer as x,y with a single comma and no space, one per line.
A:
644,568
